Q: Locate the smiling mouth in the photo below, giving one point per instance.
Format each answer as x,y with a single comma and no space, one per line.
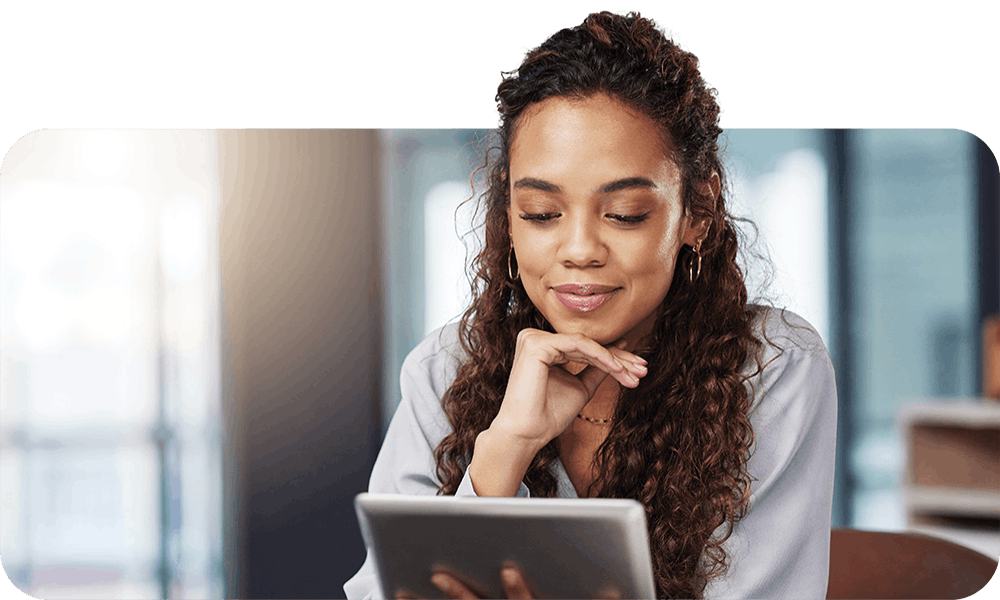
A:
584,289
584,297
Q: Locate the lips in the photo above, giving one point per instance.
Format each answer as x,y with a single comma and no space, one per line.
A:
584,297
584,289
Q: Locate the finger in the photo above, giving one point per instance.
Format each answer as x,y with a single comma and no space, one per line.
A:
609,593
405,594
514,584
593,375
554,349
623,354
629,360
558,349
577,347
636,364
452,587
633,371
590,352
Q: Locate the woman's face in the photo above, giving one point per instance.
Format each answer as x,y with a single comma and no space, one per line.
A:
596,216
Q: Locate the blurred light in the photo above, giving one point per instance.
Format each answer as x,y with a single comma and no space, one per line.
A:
103,152
789,207
446,288
11,529
877,457
184,326
42,316
879,510
80,517
36,219
107,316
116,218
182,238
794,208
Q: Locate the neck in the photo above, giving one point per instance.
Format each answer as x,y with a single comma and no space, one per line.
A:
602,405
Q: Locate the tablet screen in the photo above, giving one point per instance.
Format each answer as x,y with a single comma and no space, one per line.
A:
567,548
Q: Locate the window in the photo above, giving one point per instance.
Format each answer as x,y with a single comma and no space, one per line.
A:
110,439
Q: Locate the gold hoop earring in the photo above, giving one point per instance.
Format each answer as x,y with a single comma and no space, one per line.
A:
510,271
694,263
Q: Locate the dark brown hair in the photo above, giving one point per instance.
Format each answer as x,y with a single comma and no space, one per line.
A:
680,441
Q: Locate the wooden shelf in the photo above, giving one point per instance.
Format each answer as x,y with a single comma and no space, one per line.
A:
952,500
967,412
951,477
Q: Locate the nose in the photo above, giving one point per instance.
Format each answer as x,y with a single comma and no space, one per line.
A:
582,244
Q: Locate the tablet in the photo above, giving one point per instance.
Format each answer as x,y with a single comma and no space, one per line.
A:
567,548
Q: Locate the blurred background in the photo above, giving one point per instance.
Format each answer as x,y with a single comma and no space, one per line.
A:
201,334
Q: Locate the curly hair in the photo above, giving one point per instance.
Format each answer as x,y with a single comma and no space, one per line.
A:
680,441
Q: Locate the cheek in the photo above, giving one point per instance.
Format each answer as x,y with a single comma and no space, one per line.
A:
532,252
654,256
666,258
653,266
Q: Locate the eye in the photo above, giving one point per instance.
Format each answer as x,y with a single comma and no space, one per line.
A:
628,219
539,216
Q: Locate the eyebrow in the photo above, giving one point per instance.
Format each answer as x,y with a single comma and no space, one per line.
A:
608,188
627,184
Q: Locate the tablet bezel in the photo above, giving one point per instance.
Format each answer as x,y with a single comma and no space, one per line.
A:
623,523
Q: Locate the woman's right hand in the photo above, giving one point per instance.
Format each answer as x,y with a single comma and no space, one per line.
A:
543,397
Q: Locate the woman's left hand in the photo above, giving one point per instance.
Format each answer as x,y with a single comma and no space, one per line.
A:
515,586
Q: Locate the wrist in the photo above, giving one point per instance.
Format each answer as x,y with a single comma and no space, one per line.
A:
513,448
499,463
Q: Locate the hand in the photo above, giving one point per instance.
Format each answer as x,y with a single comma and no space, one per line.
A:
543,397
515,586
541,400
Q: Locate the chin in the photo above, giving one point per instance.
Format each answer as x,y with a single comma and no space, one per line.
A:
600,333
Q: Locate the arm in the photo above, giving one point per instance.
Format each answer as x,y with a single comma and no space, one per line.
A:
405,463
781,548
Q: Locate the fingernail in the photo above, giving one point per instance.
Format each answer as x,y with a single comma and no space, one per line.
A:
442,581
509,576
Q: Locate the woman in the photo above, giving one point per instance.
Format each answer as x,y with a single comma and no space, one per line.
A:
609,349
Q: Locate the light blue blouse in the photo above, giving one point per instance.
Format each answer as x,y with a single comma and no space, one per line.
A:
780,549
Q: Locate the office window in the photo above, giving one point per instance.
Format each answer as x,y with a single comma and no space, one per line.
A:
913,287
778,179
110,436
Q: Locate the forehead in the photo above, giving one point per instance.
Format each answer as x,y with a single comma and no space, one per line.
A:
597,133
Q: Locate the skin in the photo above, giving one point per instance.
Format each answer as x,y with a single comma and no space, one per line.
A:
595,199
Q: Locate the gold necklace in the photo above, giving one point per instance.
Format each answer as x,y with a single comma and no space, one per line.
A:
597,421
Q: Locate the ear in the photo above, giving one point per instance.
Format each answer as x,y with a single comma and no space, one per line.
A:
697,227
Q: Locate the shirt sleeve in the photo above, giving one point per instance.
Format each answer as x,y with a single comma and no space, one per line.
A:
405,463
781,548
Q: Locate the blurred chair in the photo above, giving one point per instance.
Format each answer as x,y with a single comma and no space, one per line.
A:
876,564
